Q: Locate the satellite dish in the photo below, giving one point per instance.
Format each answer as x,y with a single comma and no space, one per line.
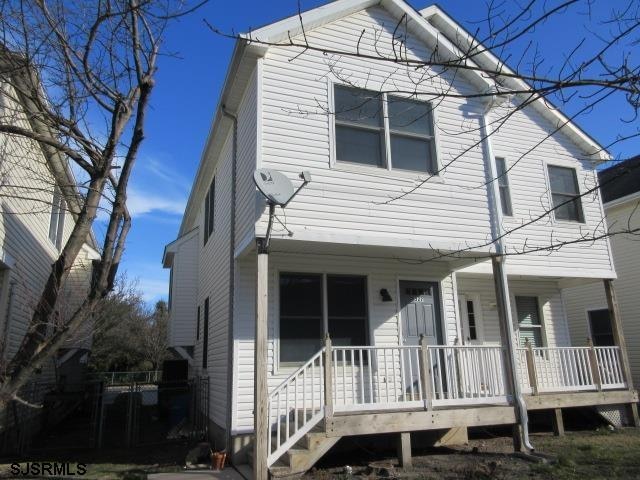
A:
274,185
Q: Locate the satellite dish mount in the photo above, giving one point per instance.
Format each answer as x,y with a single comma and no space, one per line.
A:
278,190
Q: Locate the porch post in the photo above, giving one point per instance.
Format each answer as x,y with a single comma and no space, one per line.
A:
531,368
616,327
593,363
425,372
261,399
328,378
507,337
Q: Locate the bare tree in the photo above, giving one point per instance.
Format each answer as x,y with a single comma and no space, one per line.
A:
81,74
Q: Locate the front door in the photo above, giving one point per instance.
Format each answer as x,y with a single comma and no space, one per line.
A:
420,315
420,312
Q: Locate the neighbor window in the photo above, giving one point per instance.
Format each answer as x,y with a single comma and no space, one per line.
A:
205,334
471,321
56,222
304,320
601,330
565,193
362,130
529,321
209,210
503,184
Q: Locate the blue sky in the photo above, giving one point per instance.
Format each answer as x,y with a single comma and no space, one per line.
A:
187,90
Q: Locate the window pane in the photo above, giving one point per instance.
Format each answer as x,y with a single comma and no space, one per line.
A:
347,309
501,168
409,116
212,206
55,210
505,201
527,308
300,295
563,180
206,218
300,316
601,328
409,153
356,105
533,334
359,146
571,210
471,319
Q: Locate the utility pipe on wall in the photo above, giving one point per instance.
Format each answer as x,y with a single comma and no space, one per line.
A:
499,271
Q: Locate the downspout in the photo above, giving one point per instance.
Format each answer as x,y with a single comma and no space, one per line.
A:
498,235
232,276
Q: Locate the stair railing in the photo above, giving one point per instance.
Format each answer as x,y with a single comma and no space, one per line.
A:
296,406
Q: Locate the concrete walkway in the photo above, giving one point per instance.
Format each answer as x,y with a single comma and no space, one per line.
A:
228,473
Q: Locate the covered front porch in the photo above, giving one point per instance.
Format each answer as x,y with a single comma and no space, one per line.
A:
363,344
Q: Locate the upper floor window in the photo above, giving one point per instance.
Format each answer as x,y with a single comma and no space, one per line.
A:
503,185
209,210
565,193
383,131
56,222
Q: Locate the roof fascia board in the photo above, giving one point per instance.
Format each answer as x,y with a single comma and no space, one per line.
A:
486,59
622,200
171,248
433,37
219,128
292,26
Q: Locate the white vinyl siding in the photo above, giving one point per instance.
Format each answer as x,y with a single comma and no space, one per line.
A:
626,255
549,298
357,203
383,324
26,212
213,283
184,292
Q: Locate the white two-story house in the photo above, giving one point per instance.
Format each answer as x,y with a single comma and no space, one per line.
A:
417,197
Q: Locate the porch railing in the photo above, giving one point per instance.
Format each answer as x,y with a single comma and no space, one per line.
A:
296,406
361,378
567,369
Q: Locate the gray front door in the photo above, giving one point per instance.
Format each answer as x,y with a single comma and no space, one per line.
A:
420,312
420,315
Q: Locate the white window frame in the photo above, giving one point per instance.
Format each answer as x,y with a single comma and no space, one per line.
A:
387,170
514,312
506,175
464,313
576,170
56,220
287,367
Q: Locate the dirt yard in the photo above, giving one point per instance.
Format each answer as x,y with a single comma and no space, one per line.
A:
599,454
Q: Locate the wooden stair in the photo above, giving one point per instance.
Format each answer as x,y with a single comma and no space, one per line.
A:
303,455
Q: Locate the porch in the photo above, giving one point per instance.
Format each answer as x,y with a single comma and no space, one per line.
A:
359,390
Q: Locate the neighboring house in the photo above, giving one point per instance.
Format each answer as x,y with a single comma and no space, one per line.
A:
37,217
587,308
376,275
